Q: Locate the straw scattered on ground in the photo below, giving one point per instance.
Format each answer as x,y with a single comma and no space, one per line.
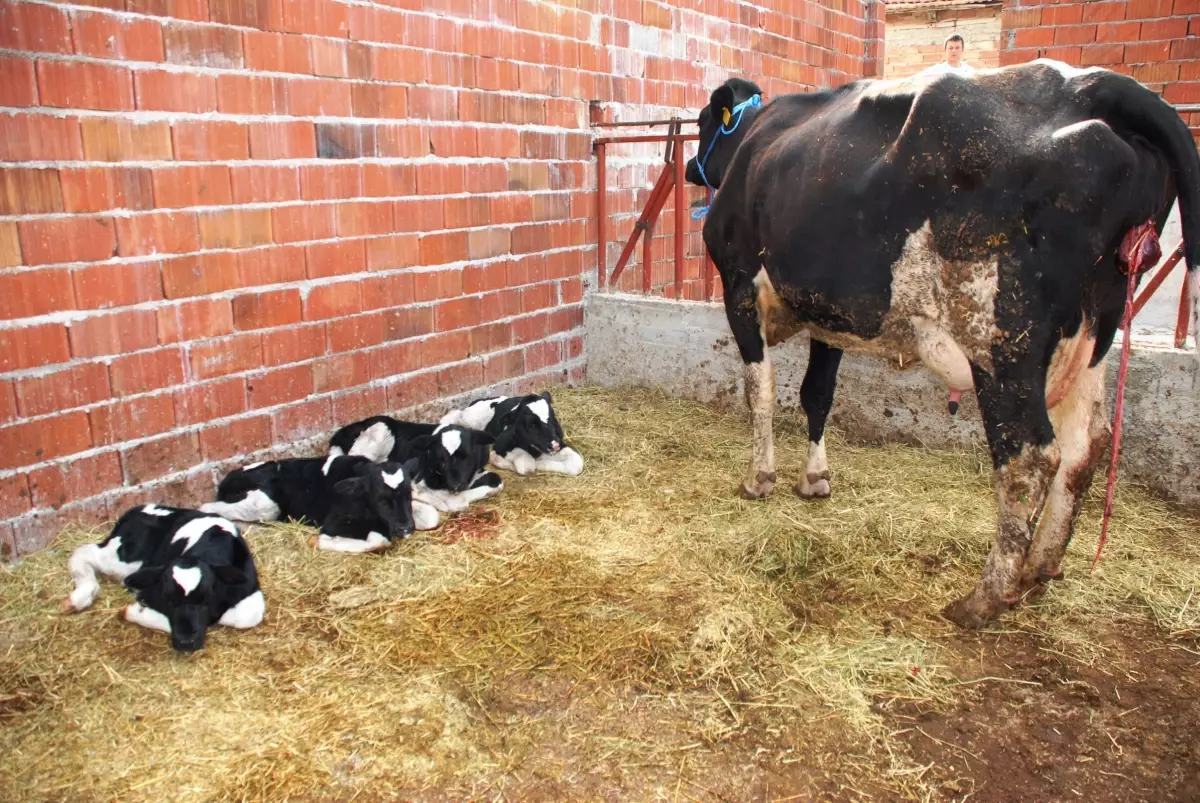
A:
638,631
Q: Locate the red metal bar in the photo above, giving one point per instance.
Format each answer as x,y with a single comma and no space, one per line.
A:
648,257
680,200
1155,282
1181,322
654,204
601,214
709,267
631,123
645,138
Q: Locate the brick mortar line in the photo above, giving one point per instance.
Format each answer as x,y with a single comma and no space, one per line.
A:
271,410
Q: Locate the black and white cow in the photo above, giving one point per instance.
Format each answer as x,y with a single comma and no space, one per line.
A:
981,225
447,464
528,435
189,570
360,506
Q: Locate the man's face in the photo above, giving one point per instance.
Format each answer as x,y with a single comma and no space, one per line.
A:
954,52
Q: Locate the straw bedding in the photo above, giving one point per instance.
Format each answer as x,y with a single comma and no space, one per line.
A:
570,638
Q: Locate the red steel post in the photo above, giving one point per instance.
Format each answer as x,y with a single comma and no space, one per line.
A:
601,215
680,201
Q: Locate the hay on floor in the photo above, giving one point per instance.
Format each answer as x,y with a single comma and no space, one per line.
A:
623,623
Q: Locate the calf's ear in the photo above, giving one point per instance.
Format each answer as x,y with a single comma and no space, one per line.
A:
143,578
545,394
353,487
230,575
482,438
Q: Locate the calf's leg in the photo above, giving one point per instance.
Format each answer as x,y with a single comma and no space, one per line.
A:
816,397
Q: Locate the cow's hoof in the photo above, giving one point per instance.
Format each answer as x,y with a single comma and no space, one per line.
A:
760,487
969,614
66,606
813,486
121,613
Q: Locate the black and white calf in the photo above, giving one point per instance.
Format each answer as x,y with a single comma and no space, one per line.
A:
447,463
528,435
359,505
188,570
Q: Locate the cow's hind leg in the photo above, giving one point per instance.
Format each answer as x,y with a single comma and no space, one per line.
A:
1025,458
1083,433
741,308
816,397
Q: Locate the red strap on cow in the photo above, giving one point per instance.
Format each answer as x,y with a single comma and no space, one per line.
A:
1139,252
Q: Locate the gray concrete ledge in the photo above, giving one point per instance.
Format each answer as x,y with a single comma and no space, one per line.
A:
685,349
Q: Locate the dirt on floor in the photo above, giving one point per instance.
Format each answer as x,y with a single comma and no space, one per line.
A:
638,633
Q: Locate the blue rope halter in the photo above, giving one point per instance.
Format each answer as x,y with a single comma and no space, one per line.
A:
738,111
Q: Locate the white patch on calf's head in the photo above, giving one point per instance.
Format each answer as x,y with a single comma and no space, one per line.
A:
540,408
155,510
451,440
328,463
187,579
394,479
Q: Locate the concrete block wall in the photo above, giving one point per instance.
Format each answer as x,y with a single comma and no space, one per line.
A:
916,38
227,226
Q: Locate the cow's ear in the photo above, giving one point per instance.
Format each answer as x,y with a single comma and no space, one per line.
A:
482,438
354,487
230,575
143,579
721,101
545,394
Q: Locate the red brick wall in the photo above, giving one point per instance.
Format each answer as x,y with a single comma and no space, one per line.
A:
228,226
1155,41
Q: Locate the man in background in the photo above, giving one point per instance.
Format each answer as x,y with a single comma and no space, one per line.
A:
955,45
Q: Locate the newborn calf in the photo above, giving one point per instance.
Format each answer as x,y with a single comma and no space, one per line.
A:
528,435
188,571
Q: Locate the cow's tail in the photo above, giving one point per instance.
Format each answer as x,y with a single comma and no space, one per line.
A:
1125,104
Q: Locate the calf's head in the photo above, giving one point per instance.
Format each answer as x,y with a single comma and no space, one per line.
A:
383,491
452,456
531,426
186,592
723,124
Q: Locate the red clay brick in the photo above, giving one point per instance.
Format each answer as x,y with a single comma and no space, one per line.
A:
266,310
56,485
293,344
70,387
1148,9
38,292
341,371
329,58
389,180
35,137
18,83
379,100
358,332
243,436
318,17
33,346
279,386
391,290
30,191
10,245
75,239
118,333
159,90
195,10
359,404
1164,29
25,443
418,214
469,212
210,140
1102,12
110,140
194,320
245,13
318,97
332,301
262,183
271,266
362,219
98,189
503,366
206,185
1075,35
8,401
129,419
203,46
207,401
34,28
440,249
291,224
320,182
200,275
390,253
103,286
107,37
304,420
235,228
160,233
283,140
226,356
146,371
251,94
336,258
1146,52
1120,33
437,284
160,457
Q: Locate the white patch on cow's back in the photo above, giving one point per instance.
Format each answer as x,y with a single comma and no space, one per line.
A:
451,440
187,579
541,408
194,529
1075,129
247,613
375,443
394,479
253,466
155,510
1066,70
336,451
475,416
328,463
254,506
